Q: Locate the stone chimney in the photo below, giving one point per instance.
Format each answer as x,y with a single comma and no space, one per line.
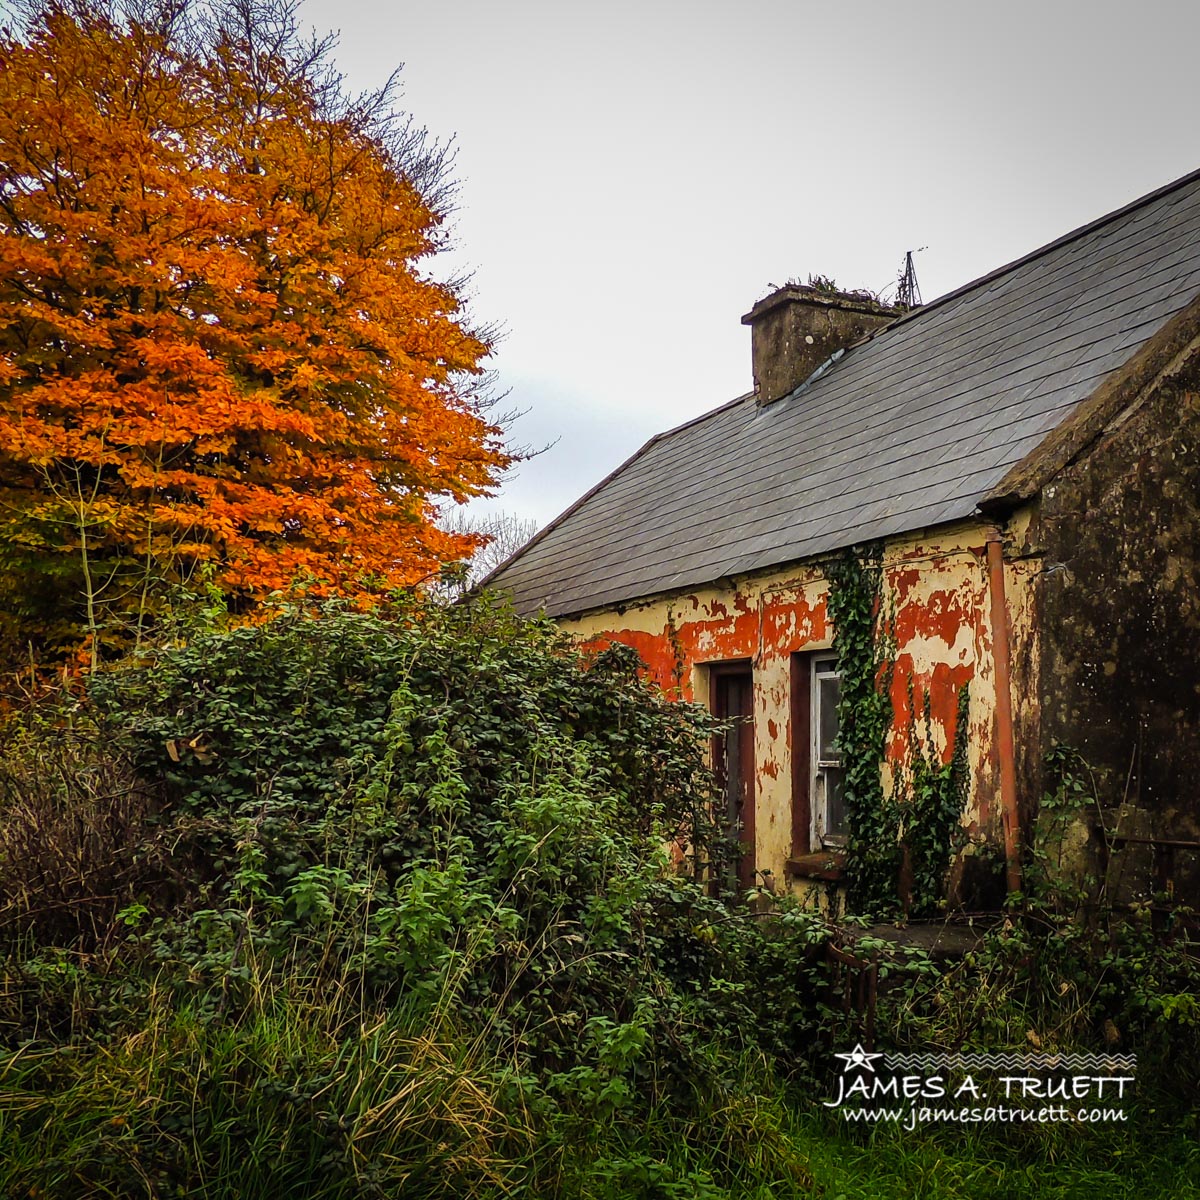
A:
798,328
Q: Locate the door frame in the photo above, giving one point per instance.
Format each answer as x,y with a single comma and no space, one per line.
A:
741,669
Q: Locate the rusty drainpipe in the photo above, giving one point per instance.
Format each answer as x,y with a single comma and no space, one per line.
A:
1004,721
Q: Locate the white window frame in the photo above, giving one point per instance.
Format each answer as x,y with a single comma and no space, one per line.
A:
824,666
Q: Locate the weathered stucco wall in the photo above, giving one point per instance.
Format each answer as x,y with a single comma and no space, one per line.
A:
937,585
1121,603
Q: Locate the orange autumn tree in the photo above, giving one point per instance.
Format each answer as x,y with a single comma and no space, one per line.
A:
218,344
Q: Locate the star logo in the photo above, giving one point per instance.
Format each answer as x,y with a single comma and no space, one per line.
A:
858,1057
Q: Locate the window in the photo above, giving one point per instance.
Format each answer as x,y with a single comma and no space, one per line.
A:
818,777
828,776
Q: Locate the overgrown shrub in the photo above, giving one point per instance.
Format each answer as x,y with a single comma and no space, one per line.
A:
449,825
454,802
296,723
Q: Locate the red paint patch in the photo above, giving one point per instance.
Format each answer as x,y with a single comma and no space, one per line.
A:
941,615
655,651
903,582
941,686
791,625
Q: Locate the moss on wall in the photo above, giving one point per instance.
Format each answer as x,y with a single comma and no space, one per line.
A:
1120,615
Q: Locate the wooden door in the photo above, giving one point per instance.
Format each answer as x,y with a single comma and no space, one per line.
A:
733,756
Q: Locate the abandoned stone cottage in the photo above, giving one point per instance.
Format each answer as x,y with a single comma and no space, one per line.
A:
1023,453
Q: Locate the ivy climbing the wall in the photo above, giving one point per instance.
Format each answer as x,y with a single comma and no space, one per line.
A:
864,715
915,820
933,796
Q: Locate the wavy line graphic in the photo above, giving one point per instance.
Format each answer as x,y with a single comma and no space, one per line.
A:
1012,1061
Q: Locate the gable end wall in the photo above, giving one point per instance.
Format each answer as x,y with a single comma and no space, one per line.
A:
1120,606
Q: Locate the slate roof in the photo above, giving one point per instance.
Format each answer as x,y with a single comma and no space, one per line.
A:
907,430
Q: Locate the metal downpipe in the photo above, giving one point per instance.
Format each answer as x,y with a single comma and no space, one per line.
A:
1002,664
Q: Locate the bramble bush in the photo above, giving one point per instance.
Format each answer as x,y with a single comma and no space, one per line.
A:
444,829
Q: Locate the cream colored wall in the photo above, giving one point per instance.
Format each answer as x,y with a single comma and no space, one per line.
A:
937,586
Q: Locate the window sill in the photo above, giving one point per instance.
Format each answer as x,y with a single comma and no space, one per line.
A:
824,864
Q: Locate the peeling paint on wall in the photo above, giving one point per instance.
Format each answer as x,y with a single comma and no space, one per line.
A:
936,587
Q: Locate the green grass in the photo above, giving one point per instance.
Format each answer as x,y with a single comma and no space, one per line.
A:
294,1098
1146,1160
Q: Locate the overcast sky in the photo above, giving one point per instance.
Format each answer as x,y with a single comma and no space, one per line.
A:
633,176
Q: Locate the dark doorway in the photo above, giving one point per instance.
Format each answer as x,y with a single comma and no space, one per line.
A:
732,693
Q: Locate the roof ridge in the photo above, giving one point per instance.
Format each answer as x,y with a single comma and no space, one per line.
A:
1063,240
1070,366
995,273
